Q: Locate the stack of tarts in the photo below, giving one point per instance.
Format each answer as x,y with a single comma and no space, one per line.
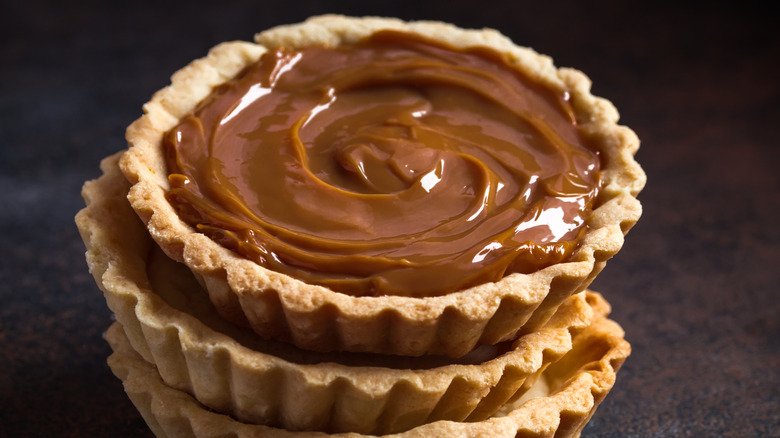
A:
363,226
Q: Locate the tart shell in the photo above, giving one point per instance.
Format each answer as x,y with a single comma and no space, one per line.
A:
312,317
171,323
562,403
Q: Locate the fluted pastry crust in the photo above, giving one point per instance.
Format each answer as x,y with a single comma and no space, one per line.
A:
316,318
172,324
568,396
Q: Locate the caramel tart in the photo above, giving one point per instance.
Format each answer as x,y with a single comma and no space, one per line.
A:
282,292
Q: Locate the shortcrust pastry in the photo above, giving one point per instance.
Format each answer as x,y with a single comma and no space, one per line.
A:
172,324
565,397
315,317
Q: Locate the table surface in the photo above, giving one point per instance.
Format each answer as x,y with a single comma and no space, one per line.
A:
695,286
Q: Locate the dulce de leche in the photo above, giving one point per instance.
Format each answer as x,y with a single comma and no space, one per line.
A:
393,166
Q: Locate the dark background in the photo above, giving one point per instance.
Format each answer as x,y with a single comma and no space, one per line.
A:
695,287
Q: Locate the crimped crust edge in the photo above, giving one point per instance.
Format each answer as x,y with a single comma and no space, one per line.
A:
581,384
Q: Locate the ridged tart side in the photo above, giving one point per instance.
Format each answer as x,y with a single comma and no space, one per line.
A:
316,318
172,324
568,396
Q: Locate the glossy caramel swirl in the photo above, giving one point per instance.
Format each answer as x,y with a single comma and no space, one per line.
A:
395,166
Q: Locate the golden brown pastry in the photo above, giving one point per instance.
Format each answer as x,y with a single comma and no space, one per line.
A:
172,324
560,405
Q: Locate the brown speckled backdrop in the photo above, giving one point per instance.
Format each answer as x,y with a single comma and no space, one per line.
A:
695,287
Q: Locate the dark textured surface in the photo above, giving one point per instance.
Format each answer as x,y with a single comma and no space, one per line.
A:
695,286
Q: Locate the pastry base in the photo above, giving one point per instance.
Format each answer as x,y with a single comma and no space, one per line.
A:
560,404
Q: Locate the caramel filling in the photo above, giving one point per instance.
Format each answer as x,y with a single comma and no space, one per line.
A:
395,166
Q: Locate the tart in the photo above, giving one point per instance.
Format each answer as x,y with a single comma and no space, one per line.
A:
560,404
310,306
172,324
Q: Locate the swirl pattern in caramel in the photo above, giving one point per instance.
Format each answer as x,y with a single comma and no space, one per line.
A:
395,166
